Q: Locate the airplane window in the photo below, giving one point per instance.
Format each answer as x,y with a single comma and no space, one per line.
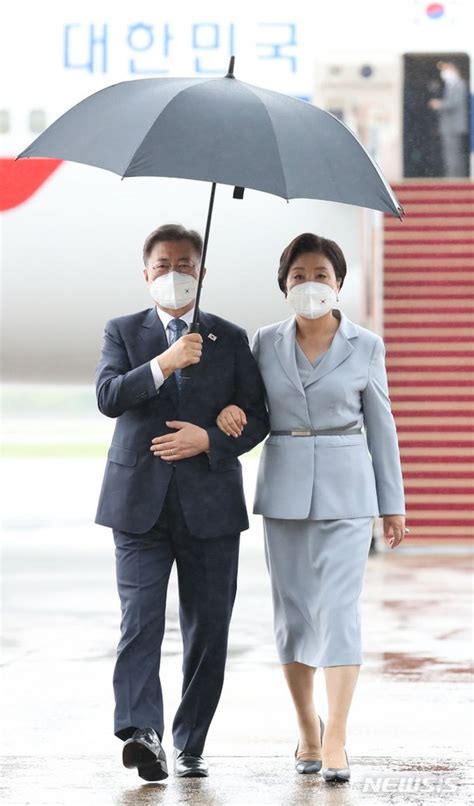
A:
37,120
4,121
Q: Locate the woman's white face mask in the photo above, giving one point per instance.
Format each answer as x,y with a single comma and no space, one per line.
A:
174,290
311,300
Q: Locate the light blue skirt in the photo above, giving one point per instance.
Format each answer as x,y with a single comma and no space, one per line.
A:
316,569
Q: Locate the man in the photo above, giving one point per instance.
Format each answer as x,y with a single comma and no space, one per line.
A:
452,109
172,491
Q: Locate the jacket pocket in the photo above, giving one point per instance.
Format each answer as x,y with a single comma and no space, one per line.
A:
122,456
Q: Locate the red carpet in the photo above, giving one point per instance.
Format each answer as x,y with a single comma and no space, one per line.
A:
429,335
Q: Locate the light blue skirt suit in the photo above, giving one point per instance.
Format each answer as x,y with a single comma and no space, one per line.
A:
319,494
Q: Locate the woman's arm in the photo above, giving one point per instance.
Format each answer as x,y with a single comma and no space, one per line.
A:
232,418
382,435
249,395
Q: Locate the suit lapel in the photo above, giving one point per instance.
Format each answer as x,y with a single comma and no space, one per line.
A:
152,334
340,349
285,350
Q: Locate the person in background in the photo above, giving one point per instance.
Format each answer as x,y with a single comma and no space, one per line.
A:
319,488
452,109
172,492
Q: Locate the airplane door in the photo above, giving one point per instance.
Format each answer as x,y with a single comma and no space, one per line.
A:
422,132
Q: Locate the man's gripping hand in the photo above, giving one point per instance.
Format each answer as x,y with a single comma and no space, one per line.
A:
184,352
188,440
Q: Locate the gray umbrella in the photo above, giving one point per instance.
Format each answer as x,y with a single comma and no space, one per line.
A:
219,130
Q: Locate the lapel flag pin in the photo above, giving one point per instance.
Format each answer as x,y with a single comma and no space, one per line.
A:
212,337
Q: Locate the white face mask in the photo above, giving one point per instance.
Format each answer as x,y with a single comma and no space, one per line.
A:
449,76
174,290
312,300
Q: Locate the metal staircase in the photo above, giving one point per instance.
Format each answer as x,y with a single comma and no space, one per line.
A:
429,336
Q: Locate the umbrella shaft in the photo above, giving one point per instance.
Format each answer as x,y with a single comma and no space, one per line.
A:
195,325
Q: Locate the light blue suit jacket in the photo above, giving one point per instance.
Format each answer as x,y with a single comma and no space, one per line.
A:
351,476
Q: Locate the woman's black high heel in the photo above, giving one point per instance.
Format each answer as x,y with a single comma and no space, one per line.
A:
335,774
313,765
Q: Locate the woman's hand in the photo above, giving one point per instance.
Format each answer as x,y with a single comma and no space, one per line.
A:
232,420
394,529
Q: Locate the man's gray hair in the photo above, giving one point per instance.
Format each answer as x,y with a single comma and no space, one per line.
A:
171,232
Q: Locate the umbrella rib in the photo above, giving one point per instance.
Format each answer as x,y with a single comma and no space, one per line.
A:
171,100
249,87
373,164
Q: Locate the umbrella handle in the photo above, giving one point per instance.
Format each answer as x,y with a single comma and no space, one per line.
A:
186,372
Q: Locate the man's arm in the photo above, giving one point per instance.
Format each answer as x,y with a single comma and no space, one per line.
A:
118,386
249,394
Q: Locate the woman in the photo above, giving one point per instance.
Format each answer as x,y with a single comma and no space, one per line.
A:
319,489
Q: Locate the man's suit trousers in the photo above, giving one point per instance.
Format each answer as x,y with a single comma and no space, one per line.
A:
207,581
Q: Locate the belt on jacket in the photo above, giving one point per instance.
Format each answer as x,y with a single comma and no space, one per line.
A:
312,432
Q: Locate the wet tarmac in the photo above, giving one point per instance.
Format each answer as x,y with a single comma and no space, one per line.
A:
409,738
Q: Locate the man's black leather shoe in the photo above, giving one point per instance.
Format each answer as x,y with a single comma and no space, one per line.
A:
188,766
145,752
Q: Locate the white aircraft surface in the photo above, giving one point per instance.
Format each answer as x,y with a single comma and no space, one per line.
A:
70,246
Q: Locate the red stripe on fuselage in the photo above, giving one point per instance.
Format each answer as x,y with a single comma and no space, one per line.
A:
20,179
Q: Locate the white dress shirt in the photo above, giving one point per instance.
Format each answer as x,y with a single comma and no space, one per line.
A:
166,319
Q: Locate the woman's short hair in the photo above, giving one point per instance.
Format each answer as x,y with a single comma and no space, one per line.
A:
308,242
171,232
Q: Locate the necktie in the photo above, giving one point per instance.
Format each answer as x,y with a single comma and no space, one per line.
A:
176,327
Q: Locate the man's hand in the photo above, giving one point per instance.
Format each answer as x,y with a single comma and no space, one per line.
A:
394,529
188,440
184,352
232,420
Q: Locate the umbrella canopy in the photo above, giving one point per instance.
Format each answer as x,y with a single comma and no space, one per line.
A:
219,130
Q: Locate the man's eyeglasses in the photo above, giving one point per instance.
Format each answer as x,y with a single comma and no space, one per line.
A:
183,267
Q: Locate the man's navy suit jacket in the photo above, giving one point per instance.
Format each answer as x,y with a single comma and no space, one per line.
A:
210,485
